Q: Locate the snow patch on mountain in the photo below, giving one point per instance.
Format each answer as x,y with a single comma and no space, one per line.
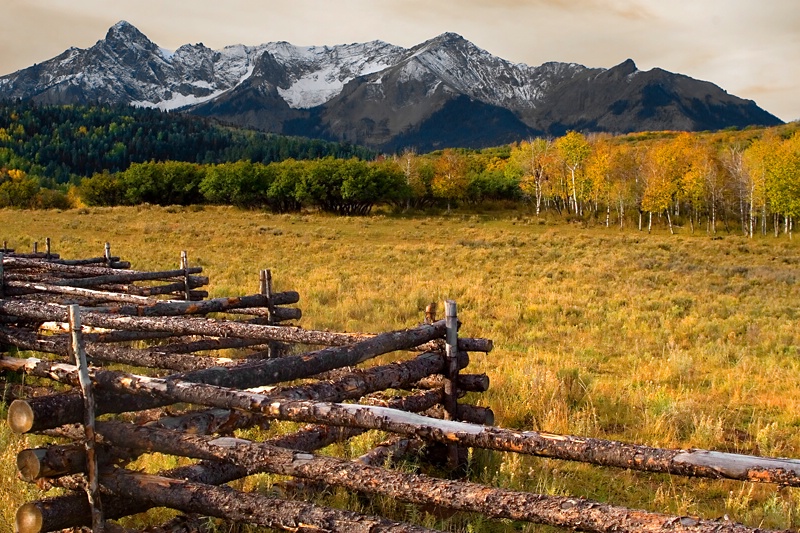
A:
178,101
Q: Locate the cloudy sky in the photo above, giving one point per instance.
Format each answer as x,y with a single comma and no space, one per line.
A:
751,48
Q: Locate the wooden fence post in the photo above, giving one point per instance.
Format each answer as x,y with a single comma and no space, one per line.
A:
107,254
451,377
92,489
265,288
35,247
185,267
47,247
2,279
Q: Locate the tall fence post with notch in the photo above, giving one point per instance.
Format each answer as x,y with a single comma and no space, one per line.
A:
2,279
79,353
185,267
451,378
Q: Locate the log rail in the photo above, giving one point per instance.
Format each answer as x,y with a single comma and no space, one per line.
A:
417,397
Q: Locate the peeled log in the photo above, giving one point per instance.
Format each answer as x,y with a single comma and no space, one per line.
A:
575,513
148,357
205,326
73,510
246,507
595,451
35,417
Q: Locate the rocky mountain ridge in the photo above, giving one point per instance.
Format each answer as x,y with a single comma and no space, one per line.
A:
443,92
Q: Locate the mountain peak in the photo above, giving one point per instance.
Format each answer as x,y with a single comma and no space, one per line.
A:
125,31
378,94
625,68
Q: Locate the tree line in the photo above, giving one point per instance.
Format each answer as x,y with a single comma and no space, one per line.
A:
746,180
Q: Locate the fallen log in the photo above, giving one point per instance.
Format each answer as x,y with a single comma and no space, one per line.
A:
575,513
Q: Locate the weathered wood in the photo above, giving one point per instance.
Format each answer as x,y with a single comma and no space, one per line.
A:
596,451
38,414
591,450
61,460
148,357
73,510
466,412
64,459
61,409
391,450
246,507
199,326
79,355
22,262
464,383
573,513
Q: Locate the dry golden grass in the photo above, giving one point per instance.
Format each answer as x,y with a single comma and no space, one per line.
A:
677,341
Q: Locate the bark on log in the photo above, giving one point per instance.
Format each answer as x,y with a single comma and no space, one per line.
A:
20,262
35,415
596,451
178,308
202,326
73,510
576,513
466,382
149,357
175,288
56,461
247,507
473,414
391,450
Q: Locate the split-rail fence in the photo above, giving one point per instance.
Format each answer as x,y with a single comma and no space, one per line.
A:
144,349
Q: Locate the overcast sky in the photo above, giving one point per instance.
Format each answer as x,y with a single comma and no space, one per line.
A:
751,48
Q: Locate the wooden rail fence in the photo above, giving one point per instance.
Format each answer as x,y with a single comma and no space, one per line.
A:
82,316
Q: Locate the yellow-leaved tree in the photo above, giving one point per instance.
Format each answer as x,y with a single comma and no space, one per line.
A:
450,176
573,149
531,162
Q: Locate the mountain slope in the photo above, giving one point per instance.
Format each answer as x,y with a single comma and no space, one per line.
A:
443,92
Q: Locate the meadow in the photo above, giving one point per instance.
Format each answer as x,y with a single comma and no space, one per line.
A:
682,341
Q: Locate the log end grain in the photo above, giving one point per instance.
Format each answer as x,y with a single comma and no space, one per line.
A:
29,463
20,416
28,519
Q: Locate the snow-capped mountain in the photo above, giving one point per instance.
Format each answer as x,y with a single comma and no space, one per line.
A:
443,92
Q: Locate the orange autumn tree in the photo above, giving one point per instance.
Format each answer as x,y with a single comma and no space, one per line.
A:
666,164
599,172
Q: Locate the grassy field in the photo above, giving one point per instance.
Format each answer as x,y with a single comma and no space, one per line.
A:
675,341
